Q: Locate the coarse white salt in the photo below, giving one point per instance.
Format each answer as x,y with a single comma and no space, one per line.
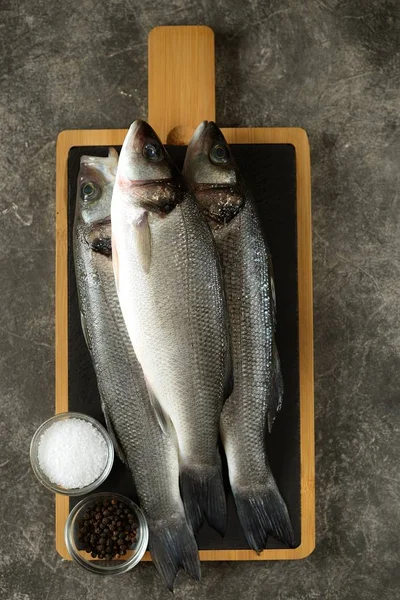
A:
72,453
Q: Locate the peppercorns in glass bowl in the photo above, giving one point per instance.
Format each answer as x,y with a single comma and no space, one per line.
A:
106,533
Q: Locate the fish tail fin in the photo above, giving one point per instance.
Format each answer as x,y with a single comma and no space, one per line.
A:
172,545
262,512
203,493
276,396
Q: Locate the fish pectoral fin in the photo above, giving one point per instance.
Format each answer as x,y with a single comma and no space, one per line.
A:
83,325
113,155
117,446
163,418
143,241
229,382
228,385
272,289
115,262
276,396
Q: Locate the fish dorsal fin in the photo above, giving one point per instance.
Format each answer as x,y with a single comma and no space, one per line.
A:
143,241
163,419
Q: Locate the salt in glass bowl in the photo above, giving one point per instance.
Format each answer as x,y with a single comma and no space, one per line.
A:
102,566
42,477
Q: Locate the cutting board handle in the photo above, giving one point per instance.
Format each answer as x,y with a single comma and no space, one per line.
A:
181,80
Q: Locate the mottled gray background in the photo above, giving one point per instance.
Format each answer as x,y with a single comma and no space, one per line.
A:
329,66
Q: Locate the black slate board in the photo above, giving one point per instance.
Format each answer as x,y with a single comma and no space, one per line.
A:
270,172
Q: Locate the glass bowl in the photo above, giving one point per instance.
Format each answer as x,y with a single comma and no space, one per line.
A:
102,566
42,477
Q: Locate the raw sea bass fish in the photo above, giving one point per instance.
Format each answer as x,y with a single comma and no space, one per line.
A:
150,454
170,290
258,388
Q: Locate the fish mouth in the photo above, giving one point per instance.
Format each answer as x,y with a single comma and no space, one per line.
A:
199,131
212,186
196,143
134,127
109,162
204,167
205,135
138,133
149,182
212,135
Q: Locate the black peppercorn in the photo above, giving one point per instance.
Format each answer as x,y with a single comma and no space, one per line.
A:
107,530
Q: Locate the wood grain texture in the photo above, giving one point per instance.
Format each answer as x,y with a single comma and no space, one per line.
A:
298,138
181,80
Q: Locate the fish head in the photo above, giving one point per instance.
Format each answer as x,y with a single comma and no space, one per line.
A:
211,173
95,184
147,180
93,202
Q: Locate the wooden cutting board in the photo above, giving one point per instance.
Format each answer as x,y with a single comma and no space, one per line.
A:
181,95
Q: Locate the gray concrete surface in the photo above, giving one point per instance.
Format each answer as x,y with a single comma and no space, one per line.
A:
332,67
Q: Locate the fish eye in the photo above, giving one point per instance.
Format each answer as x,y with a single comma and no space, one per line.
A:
89,191
219,154
153,151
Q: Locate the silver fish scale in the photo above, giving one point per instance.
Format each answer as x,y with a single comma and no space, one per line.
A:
181,329
244,257
150,454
